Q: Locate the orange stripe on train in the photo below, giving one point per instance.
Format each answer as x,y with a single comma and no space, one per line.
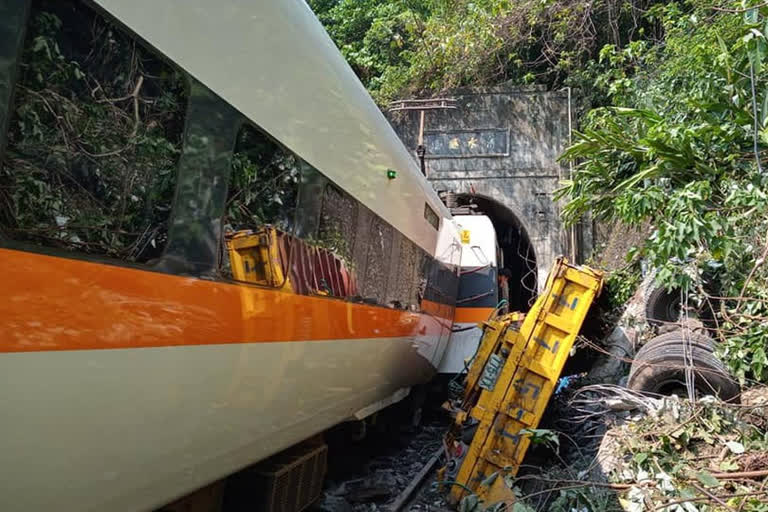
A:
52,303
472,315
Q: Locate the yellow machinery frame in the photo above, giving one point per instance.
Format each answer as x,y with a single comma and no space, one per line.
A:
513,376
254,257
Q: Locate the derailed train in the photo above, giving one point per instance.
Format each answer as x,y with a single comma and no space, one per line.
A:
127,381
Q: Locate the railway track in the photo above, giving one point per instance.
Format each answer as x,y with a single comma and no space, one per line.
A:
388,472
418,487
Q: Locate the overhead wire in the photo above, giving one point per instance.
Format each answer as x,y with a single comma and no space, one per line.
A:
530,265
687,345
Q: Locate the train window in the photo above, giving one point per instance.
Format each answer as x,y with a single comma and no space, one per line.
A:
431,216
338,223
264,186
94,137
321,250
260,209
377,267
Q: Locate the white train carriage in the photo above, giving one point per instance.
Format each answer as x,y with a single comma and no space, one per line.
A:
135,366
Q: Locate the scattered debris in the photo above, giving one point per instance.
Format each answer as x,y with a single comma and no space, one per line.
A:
377,486
603,447
661,453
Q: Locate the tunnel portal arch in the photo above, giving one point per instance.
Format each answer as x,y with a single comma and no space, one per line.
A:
517,250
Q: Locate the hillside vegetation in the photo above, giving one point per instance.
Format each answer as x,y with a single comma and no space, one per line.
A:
404,47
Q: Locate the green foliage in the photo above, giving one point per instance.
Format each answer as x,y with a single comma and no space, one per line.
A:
264,184
542,436
746,335
682,149
565,492
376,37
667,455
621,285
405,47
682,446
585,498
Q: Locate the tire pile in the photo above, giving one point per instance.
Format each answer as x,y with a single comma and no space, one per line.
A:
669,362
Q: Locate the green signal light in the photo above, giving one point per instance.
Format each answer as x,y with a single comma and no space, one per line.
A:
391,174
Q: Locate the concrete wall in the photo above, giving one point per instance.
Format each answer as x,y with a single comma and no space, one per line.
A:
502,144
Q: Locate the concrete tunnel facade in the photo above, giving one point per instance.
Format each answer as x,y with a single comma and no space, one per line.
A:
498,148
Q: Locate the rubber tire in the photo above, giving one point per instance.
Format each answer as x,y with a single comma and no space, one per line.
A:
662,307
676,337
660,365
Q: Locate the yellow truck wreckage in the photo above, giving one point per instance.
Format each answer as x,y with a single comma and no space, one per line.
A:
509,382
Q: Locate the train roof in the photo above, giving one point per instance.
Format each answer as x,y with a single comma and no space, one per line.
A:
273,61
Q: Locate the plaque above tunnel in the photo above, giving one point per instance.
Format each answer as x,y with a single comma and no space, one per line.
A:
490,142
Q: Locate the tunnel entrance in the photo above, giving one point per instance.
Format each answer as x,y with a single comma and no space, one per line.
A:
516,251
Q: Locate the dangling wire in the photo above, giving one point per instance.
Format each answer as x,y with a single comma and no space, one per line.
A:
497,308
690,386
530,265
